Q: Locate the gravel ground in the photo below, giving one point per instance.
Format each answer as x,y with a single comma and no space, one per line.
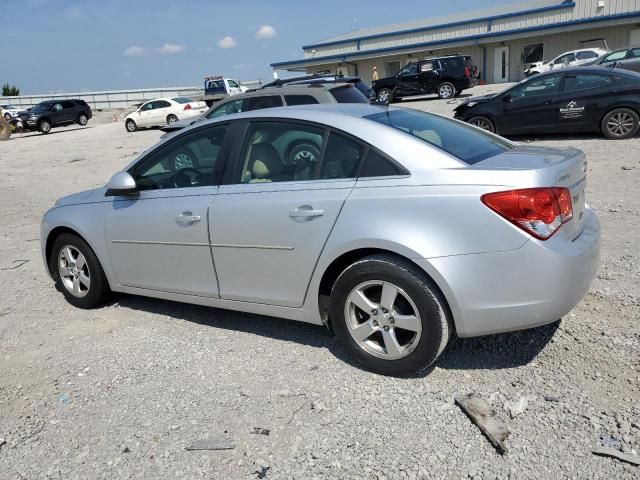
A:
119,392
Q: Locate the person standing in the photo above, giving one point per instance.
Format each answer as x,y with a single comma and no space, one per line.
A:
374,75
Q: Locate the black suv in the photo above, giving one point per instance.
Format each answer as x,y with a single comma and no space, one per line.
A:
447,76
56,113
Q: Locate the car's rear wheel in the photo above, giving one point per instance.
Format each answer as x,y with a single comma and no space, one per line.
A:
620,123
389,315
130,125
7,116
44,126
171,119
83,119
77,272
482,122
385,95
446,90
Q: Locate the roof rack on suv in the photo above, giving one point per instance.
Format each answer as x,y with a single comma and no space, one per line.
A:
284,81
444,56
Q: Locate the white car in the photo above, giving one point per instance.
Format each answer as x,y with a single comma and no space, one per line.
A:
163,111
573,58
9,111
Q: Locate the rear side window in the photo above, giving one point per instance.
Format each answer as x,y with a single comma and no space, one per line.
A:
341,157
182,100
463,142
453,63
573,83
300,100
348,94
260,103
377,165
586,55
68,104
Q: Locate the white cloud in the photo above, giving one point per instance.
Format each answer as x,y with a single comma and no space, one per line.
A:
135,51
227,42
170,48
266,31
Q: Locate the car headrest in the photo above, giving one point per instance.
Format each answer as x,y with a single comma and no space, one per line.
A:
265,161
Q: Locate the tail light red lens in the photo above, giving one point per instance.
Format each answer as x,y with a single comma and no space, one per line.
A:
187,107
538,211
467,72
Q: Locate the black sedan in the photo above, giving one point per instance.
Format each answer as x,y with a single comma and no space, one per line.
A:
571,100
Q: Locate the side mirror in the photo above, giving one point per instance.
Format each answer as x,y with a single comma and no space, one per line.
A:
121,184
507,98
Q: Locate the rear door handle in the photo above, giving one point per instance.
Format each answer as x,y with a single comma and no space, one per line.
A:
305,211
187,218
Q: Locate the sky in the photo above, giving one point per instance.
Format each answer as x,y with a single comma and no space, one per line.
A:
56,46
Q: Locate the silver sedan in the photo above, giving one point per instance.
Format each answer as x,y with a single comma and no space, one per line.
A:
396,228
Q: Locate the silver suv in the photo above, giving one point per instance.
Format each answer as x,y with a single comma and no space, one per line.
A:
278,96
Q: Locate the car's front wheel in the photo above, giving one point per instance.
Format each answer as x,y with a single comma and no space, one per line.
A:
171,119
131,126
385,95
620,124
446,90
77,272
44,126
7,116
389,315
482,122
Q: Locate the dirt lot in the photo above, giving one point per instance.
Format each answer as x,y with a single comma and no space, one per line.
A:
119,392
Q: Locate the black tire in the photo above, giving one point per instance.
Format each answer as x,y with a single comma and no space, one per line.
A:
7,116
620,124
5,129
44,126
130,126
98,292
483,122
385,95
431,306
82,119
171,119
446,90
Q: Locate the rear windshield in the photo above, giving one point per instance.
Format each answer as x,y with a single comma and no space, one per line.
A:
349,94
462,141
182,100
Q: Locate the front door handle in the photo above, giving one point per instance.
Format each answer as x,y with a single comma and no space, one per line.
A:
187,218
305,211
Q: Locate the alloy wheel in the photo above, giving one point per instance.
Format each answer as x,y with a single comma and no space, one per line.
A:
620,124
83,120
446,91
383,320
383,95
182,160
482,123
74,271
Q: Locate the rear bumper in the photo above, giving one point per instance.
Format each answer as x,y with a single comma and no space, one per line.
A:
532,286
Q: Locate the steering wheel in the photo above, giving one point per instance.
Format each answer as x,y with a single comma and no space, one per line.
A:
184,177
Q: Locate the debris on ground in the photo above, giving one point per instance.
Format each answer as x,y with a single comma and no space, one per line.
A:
612,452
211,444
609,441
262,473
518,407
551,398
64,399
481,413
126,450
15,264
2,441
261,431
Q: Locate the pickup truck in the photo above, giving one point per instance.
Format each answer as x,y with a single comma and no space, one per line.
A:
217,88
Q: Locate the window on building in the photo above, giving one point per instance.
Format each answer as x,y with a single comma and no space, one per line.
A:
533,53
392,68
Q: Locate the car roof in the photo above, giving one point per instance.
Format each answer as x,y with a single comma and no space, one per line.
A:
590,69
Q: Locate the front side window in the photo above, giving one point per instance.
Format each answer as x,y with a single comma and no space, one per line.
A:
57,107
147,106
190,161
161,104
262,102
410,69
233,106
565,59
281,152
462,141
233,84
533,53
543,86
573,83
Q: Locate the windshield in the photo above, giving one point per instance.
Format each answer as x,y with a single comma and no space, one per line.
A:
182,100
458,139
612,57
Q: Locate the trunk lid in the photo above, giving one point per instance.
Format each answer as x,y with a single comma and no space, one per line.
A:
557,167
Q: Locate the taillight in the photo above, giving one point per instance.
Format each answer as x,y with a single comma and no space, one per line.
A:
538,211
467,72
187,107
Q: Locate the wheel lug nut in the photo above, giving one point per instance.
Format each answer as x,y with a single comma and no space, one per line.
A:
391,320
384,310
374,311
375,324
386,328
